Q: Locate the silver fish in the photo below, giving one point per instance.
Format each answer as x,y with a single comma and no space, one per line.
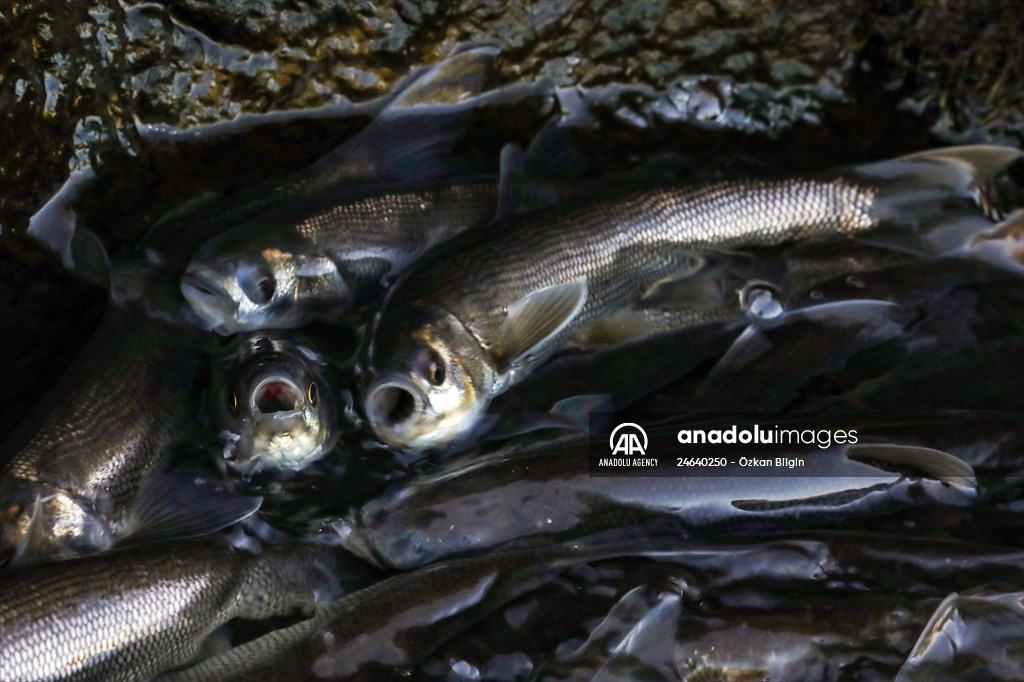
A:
462,329
326,257
807,605
272,406
405,142
527,491
85,467
377,632
134,613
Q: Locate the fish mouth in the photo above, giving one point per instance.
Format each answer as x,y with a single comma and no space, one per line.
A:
392,405
208,302
276,395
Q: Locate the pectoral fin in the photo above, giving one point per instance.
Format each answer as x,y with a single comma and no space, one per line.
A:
537,317
181,506
933,463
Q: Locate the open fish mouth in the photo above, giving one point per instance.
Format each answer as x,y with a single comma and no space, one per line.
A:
276,395
282,433
393,407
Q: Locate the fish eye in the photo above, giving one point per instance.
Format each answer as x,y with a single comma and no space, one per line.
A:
433,367
257,284
436,373
233,403
312,392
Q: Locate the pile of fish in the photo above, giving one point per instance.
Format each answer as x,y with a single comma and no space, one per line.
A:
336,425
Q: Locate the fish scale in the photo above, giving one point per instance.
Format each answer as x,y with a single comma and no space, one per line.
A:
407,220
129,615
327,256
466,326
129,382
588,239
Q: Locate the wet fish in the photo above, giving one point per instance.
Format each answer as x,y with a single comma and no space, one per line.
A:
340,252
653,633
972,635
536,492
85,467
134,613
272,406
464,328
382,630
404,142
326,257
806,605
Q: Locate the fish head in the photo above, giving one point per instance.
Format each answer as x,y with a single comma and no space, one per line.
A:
38,523
233,285
274,409
429,379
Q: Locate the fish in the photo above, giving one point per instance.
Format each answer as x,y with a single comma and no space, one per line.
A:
272,406
86,468
377,632
530,491
326,254
133,613
768,607
464,327
332,256
326,257
972,635
407,140
653,632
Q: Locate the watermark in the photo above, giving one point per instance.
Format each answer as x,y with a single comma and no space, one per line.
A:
755,444
628,439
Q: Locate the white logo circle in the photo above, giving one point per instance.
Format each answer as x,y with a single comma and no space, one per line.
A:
627,443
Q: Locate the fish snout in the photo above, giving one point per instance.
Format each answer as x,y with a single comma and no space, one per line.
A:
208,301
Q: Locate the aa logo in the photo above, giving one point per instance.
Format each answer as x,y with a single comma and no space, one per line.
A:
628,439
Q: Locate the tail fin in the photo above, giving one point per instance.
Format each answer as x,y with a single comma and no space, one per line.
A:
940,194
937,175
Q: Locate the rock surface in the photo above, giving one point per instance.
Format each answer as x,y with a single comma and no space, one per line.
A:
80,83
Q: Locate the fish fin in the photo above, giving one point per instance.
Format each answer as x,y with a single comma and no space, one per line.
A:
753,342
575,412
695,279
54,224
637,323
687,266
406,148
34,543
538,316
451,81
622,326
1003,245
409,143
553,154
1012,227
510,182
526,177
917,189
841,313
89,258
964,169
181,506
933,463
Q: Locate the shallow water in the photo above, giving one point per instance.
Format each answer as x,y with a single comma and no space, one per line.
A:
141,95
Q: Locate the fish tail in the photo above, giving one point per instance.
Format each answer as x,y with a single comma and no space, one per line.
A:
912,184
